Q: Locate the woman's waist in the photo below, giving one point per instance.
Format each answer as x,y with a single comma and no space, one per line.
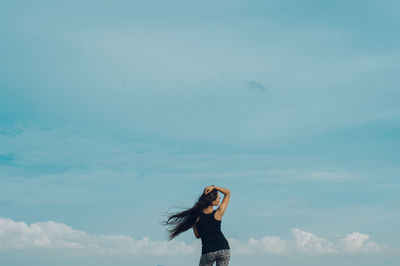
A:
213,236
208,246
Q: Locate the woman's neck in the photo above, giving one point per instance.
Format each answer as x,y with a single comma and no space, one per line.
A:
209,209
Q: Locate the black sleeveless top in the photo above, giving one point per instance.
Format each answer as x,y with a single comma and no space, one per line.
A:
209,230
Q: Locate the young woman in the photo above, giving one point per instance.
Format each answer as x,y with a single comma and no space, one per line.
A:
206,224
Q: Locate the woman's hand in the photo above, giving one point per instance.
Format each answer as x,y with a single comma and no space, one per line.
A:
208,189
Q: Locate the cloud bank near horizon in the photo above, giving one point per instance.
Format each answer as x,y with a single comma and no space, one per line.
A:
52,235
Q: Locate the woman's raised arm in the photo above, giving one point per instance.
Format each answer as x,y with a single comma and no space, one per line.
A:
222,207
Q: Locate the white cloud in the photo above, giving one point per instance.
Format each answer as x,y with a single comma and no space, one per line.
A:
58,236
357,242
310,243
354,243
52,235
267,244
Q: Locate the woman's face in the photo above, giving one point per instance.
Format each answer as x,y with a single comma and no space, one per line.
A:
216,201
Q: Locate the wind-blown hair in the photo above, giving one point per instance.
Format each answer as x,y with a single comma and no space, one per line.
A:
182,221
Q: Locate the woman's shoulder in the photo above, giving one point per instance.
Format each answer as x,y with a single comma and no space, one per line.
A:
216,216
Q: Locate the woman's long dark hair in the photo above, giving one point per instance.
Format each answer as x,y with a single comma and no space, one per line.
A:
184,220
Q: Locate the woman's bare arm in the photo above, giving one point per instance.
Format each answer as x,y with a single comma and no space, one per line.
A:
223,190
222,207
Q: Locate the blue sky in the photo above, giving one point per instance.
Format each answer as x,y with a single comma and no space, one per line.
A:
112,112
